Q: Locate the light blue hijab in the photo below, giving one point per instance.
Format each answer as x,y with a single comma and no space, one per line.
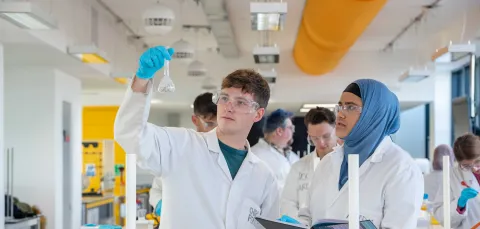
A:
380,117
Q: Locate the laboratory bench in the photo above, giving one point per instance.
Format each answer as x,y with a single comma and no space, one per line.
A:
98,209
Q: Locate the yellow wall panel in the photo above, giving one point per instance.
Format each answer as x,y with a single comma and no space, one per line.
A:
98,122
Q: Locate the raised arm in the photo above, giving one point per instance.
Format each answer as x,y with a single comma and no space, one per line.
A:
152,144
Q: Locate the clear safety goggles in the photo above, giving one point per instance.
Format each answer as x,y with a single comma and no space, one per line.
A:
239,104
312,139
207,124
469,167
347,109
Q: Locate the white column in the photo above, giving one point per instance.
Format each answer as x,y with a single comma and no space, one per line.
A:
441,111
2,146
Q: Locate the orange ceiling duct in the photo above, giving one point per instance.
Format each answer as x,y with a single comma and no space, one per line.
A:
328,29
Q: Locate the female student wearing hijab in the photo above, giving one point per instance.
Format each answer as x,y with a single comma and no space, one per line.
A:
391,184
433,180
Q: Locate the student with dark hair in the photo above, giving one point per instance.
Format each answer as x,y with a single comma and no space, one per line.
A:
320,123
205,119
273,147
211,179
204,113
464,205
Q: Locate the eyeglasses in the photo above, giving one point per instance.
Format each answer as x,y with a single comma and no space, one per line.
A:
347,108
239,104
312,139
207,124
468,167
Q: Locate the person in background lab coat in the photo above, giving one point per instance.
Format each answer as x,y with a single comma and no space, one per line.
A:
320,124
464,207
390,183
209,179
271,149
433,180
204,118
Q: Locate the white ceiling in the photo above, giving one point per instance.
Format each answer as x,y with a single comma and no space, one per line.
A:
364,59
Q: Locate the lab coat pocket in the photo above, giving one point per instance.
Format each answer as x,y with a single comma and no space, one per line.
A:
248,211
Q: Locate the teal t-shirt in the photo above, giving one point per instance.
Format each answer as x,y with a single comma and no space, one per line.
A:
234,157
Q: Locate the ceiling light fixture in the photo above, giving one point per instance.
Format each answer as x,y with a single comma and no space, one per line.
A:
415,75
89,54
26,15
326,105
183,50
266,54
270,76
196,68
122,77
158,19
268,16
156,101
307,107
453,52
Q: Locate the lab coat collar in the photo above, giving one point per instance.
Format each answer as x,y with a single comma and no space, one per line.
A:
214,147
265,144
314,159
381,149
377,155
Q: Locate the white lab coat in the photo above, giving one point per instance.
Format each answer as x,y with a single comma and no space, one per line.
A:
198,190
295,192
155,192
433,182
471,216
292,157
390,184
278,163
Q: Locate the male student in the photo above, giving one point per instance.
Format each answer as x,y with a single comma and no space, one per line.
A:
211,180
273,147
320,123
204,118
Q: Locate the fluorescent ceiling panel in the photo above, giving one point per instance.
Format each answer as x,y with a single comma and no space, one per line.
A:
26,15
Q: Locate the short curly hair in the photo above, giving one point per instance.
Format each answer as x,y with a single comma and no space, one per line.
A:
249,81
319,115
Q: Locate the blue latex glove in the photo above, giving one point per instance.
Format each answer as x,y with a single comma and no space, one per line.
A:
467,193
158,208
288,219
153,60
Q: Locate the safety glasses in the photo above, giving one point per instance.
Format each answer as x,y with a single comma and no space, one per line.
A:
312,139
206,124
239,104
347,109
469,167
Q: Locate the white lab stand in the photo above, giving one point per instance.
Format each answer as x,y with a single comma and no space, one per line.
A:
446,192
353,192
